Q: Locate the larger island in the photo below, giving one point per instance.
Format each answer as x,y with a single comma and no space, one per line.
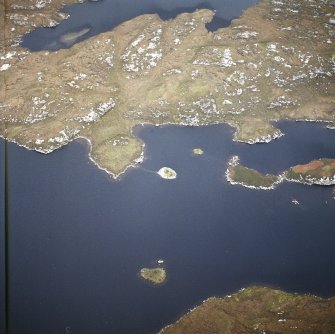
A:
259,310
274,62
316,172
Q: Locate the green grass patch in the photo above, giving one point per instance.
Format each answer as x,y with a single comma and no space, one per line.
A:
251,177
155,275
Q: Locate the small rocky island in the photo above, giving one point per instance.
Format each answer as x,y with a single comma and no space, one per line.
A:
167,173
154,275
319,172
198,151
259,310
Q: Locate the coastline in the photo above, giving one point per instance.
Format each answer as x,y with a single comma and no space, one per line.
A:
191,105
279,314
284,176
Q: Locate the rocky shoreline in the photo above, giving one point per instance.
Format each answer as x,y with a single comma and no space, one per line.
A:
158,73
317,172
258,310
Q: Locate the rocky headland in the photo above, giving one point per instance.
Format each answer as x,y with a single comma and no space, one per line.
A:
274,62
259,310
316,172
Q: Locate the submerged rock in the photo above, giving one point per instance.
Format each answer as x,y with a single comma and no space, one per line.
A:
72,37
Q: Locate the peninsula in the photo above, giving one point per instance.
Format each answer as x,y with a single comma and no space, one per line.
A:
258,310
274,62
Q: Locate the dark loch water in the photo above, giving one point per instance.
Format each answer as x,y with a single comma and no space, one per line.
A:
78,238
106,14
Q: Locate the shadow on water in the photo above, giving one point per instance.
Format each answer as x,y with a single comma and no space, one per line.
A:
104,15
